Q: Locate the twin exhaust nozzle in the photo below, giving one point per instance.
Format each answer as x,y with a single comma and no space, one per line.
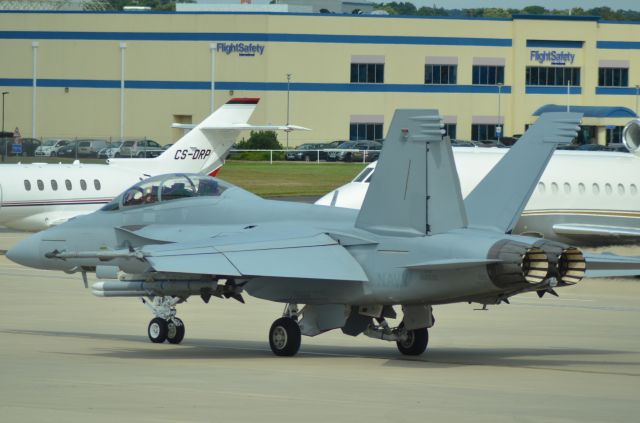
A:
568,267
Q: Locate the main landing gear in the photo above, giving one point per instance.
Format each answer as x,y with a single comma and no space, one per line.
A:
285,335
165,326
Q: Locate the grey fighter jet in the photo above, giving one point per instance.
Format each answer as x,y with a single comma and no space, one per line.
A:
415,243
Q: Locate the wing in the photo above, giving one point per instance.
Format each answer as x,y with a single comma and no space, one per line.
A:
317,257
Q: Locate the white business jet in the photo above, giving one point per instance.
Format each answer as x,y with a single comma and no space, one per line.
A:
36,196
589,197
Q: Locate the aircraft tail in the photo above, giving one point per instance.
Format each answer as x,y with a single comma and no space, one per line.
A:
415,189
204,148
498,200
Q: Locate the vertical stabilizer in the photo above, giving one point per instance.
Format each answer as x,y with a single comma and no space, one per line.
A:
204,148
415,189
498,200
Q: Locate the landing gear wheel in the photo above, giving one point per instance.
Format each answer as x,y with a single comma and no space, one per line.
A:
175,331
157,330
416,342
284,337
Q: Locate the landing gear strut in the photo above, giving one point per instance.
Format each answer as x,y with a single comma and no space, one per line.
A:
165,326
284,335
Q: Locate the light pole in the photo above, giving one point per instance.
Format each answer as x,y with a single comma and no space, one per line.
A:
288,99
5,140
499,127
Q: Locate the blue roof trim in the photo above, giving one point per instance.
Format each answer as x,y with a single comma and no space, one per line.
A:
621,45
518,16
322,15
264,37
555,43
552,90
256,86
589,111
616,91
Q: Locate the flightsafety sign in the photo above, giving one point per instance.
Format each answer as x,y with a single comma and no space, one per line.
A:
552,56
243,49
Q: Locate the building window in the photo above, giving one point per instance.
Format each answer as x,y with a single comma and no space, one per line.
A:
83,184
365,131
450,130
614,135
613,77
440,74
27,185
482,132
488,75
372,73
545,76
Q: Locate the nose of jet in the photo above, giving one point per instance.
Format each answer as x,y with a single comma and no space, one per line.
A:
27,252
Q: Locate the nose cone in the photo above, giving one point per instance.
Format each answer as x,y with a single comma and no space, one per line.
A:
27,252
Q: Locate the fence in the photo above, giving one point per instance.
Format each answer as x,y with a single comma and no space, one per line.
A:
334,154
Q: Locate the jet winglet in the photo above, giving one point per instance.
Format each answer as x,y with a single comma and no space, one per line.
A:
497,202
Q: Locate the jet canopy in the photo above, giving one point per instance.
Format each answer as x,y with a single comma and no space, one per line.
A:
168,187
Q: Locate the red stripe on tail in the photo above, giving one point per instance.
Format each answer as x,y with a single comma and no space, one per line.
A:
243,101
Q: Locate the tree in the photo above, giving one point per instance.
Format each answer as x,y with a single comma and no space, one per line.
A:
260,140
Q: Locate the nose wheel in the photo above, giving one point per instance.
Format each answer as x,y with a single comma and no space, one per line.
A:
165,326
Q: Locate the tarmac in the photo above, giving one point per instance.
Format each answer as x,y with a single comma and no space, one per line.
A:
66,356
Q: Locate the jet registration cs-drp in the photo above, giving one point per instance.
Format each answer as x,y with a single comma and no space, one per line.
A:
193,153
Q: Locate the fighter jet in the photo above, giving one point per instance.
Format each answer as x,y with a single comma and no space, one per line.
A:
413,245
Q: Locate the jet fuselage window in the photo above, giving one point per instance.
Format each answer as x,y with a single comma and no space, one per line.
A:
67,183
581,188
83,184
554,187
596,189
567,188
634,189
40,185
541,187
620,189
54,185
96,183
608,189
27,185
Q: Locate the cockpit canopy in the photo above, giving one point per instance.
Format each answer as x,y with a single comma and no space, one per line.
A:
169,187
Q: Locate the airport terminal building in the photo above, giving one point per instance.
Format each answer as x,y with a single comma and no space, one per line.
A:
134,74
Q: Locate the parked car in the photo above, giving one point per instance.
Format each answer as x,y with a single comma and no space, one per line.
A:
356,151
50,147
110,150
90,147
307,152
139,148
68,150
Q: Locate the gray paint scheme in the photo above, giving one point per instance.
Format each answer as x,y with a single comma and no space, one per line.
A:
409,245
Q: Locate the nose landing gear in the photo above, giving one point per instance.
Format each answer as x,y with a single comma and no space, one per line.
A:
165,326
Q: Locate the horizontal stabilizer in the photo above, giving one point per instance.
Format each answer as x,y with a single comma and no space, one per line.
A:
449,264
498,200
611,265
573,229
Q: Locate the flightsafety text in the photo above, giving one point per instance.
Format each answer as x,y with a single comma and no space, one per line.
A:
243,49
555,57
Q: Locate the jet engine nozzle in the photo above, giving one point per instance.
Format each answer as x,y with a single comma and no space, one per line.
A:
571,265
631,136
535,265
518,264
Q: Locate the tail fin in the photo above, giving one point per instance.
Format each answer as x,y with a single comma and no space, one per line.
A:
204,148
415,189
499,199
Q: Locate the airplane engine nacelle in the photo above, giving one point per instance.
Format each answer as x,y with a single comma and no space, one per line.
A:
519,264
631,136
571,265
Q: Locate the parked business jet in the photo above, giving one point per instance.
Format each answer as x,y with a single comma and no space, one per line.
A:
36,196
586,197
